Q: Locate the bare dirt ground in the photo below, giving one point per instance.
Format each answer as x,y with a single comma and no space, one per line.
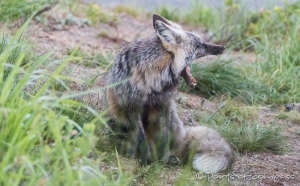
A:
256,167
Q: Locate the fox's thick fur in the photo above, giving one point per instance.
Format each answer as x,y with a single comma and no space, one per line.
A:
146,74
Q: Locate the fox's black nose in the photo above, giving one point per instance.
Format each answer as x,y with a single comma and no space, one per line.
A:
223,47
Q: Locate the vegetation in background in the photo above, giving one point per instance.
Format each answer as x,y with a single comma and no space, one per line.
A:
234,23
280,66
14,9
172,14
278,45
222,24
203,14
271,34
97,13
130,10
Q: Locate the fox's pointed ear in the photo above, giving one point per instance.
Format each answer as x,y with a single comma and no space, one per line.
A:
167,33
156,17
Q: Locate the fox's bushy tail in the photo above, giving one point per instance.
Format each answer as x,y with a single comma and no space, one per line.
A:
206,149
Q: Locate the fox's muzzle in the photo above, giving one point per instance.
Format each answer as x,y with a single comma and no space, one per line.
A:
212,49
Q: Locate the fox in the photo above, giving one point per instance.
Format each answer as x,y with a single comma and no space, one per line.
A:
142,85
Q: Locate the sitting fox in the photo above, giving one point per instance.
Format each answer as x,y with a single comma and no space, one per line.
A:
142,103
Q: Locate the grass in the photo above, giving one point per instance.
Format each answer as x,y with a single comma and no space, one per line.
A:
292,116
103,59
17,46
128,9
38,145
203,14
96,13
168,13
226,25
241,126
14,9
280,69
271,34
225,77
38,122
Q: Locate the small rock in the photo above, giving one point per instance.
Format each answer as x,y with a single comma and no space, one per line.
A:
292,106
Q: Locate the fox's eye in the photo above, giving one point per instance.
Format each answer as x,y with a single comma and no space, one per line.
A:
199,46
204,46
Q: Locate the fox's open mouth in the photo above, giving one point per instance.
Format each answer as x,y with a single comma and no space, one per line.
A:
187,76
211,49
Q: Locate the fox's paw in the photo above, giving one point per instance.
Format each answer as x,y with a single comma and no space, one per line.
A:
173,160
128,150
144,161
145,156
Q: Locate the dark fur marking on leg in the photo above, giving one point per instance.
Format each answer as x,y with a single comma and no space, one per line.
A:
126,55
120,66
143,148
145,119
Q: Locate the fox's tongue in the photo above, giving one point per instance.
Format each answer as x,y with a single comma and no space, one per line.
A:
187,76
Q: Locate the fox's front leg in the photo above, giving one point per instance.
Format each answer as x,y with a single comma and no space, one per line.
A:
177,135
156,122
164,133
139,145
